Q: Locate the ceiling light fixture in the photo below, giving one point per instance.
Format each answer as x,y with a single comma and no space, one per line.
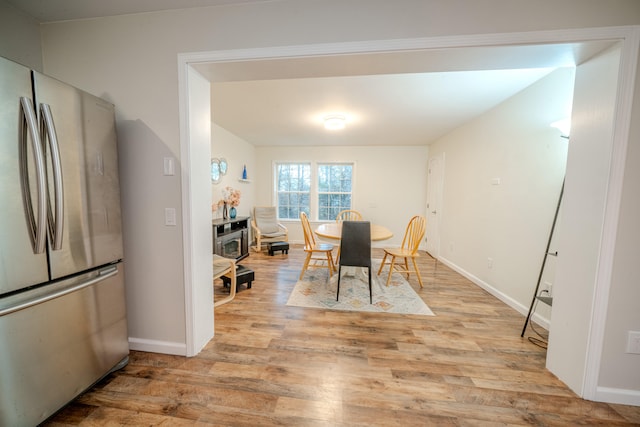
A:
335,122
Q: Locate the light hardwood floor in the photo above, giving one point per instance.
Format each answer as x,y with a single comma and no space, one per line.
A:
274,365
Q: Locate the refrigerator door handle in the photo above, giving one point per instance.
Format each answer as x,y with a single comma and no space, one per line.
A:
55,217
103,275
36,222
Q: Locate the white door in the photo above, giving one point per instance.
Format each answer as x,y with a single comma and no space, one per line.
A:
435,180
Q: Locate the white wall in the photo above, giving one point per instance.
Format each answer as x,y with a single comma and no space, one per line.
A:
390,183
131,60
19,37
238,153
509,222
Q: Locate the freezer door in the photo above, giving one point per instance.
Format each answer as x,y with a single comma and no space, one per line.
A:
57,341
20,265
78,132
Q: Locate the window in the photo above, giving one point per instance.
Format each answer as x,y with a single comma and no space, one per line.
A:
334,189
293,183
321,195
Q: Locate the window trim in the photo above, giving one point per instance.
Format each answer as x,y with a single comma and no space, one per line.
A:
275,185
317,195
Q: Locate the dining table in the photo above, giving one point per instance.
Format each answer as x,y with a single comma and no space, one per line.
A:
333,231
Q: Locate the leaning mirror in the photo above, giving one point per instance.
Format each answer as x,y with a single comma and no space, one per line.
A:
215,171
223,166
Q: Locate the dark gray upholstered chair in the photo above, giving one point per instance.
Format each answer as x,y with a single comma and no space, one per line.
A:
355,249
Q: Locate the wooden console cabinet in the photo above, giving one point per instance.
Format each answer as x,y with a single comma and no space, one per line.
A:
231,237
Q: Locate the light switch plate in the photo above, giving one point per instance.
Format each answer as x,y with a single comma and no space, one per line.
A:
169,216
633,342
169,166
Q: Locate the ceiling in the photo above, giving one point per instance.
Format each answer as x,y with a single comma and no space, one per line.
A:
389,98
392,98
388,109
65,10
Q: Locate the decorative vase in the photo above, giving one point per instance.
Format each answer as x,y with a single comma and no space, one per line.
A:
232,212
244,172
225,213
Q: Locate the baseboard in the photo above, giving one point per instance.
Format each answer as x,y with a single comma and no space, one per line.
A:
154,346
542,321
617,395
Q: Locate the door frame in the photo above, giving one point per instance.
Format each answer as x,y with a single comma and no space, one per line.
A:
629,38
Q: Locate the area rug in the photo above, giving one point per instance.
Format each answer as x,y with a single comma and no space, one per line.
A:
317,291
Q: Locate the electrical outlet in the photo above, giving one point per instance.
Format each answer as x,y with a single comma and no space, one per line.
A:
489,262
633,342
547,288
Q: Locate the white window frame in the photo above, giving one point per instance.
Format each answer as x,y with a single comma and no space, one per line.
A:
317,185
314,195
276,187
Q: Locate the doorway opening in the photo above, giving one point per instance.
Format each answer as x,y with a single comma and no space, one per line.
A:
572,40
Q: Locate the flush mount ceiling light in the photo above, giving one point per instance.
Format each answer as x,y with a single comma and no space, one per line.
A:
335,122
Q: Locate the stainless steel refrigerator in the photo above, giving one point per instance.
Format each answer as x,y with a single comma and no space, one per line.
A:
63,321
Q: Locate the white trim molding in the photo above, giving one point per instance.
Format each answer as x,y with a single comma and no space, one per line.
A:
520,308
617,395
629,35
185,156
622,124
155,346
